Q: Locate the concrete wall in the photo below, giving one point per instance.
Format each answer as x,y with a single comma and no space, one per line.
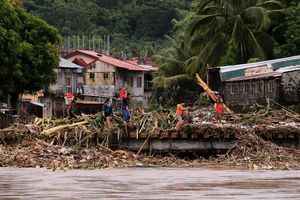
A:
249,92
291,86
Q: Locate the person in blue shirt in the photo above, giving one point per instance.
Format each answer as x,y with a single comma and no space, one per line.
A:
108,112
125,113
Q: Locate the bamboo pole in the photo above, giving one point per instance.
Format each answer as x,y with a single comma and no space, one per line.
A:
210,93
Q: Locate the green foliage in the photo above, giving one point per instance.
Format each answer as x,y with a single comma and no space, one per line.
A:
28,48
135,26
287,34
241,24
218,33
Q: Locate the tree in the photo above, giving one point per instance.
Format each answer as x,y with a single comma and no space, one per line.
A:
239,25
132,24
28,51
287,34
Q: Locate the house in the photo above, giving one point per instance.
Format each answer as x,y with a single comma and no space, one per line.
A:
246,84
69,78
149,67
104,75
52,103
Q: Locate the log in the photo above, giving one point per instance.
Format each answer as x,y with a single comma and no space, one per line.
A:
61,127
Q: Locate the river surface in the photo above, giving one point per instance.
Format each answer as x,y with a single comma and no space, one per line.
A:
148,183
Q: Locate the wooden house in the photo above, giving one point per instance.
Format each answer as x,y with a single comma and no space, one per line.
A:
69,78
247,84
104,75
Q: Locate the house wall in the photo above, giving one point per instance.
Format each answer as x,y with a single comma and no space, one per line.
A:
102,79
249,92
100,74
291,86
133,81
63,74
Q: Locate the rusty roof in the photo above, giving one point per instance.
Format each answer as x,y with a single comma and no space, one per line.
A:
112,61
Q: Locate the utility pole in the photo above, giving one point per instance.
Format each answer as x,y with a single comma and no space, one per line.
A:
108,44
83,44
94,43
104,46
78,40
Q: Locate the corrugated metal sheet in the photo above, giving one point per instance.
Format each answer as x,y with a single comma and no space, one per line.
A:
258,76
113,61
63,63
234,71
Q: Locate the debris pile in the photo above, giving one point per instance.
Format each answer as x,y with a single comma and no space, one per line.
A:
252,152
84,142
39,154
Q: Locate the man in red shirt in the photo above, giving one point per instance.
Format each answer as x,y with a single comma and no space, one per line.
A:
123,93
219,107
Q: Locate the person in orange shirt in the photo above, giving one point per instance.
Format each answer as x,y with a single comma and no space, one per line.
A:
180,112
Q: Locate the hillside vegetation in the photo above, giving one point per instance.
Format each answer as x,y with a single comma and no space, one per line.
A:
134,26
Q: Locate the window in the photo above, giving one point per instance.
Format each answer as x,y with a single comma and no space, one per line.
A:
92,76
68,81
93,65
139,82
106,76
130,81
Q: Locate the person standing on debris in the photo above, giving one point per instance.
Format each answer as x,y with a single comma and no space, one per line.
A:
108,112
180,112
219,106
69,98
123,94
125,113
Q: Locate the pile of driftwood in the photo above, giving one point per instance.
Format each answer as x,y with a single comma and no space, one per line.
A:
251,151
84,142
38,153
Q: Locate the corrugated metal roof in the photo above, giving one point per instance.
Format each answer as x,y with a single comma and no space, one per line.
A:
258,76
234,71
63,63
149,68
288,69
112,61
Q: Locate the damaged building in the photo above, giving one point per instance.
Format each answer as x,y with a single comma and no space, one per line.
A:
104,75
247,84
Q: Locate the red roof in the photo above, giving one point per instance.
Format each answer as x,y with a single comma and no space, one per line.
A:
80,61
112,61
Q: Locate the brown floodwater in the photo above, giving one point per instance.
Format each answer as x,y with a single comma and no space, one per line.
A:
148,183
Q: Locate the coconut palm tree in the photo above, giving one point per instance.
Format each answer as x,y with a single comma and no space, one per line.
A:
239,25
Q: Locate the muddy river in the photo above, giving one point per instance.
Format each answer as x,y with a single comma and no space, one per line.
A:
148,183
